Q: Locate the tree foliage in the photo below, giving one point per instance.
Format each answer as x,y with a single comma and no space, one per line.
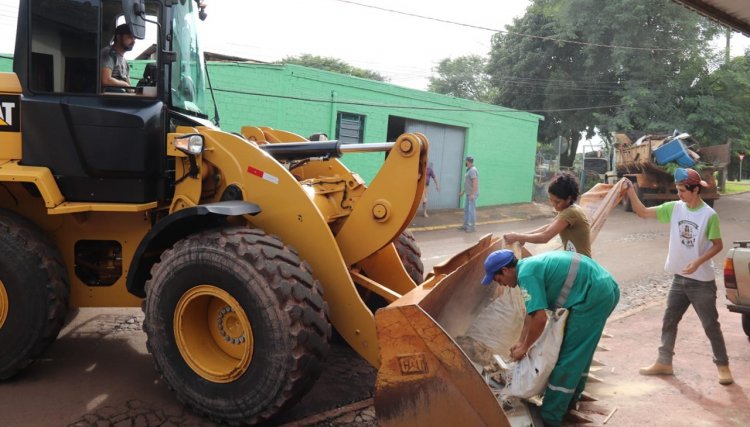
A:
717,110
600,84
332,64
463,77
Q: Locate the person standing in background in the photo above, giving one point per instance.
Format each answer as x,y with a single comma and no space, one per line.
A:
471,190
430,175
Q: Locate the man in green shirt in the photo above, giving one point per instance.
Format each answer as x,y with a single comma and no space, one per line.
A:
591,297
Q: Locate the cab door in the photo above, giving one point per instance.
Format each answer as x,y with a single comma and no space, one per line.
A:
101,147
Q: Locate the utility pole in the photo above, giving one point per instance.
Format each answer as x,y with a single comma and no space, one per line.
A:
728,49
742,157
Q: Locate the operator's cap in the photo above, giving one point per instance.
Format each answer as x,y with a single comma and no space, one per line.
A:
122,29
688,176
470,159
494,262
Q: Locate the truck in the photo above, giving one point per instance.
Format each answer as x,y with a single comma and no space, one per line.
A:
245,249
737,281
654,182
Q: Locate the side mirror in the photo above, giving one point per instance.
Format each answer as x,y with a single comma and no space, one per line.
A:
135,13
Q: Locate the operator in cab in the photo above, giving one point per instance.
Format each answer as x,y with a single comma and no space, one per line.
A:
115,70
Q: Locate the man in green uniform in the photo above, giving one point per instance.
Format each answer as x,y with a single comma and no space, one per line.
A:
590,295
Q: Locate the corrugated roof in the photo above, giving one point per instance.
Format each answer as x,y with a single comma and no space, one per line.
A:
733,13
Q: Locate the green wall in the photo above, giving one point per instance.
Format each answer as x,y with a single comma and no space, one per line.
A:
306,101
6,63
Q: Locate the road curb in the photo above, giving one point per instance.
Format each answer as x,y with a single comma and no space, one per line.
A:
456,225
635,310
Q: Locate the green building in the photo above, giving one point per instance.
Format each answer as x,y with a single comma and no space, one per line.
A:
305,101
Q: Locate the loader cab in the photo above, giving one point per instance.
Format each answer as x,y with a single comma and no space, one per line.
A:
106,144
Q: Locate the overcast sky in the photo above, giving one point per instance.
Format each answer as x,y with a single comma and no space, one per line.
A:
403,48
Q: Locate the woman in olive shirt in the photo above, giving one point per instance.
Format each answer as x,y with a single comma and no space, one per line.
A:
571,222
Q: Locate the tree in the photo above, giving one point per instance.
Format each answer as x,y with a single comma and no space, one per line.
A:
599,83
333,64
463,77
717,110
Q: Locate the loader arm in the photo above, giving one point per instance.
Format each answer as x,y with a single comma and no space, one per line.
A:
395,193
390,202
383,211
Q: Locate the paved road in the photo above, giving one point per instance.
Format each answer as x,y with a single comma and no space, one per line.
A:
98,373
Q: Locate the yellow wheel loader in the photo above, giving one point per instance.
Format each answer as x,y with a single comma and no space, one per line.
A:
243,249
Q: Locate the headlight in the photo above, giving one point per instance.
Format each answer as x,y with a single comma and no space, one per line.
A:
190,144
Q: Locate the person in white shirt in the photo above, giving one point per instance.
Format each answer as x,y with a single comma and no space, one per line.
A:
694,238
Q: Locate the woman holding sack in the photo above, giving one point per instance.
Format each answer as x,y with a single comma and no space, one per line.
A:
571,222
559,279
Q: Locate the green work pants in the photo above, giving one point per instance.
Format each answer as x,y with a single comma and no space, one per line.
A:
582,333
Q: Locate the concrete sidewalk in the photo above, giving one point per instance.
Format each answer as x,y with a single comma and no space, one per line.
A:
453,218
693,396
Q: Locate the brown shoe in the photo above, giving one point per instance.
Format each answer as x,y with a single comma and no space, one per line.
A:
657,369
725,375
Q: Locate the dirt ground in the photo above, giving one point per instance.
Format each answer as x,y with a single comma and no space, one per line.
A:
98,373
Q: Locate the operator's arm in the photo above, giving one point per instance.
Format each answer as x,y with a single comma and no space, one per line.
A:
533,326
540,235
109,81
475,186
638,207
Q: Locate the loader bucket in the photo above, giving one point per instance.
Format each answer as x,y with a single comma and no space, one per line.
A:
425,377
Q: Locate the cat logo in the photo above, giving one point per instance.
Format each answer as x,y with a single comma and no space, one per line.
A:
10,113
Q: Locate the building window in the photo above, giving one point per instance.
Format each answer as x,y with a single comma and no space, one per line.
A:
350,128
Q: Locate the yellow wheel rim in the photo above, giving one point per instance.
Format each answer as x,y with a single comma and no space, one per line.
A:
4,304
213,334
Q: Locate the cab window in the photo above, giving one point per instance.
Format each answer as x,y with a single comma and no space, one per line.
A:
64,46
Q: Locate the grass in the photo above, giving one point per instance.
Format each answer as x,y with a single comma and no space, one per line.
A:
736,187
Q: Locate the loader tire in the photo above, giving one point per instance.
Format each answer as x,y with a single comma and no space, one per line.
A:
236,323
411,256
746,323
33,293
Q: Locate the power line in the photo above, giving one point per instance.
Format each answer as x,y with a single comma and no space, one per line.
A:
412,107
479,27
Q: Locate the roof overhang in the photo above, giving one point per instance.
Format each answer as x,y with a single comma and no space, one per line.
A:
732,13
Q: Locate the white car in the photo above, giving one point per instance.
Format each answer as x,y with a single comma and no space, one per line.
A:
737,281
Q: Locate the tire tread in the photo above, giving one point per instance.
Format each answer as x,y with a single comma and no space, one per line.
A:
296,293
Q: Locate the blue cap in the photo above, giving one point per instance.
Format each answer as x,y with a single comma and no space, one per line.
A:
494,262
689,177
